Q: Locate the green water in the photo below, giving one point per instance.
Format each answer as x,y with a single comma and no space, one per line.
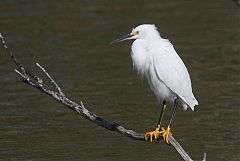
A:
71,40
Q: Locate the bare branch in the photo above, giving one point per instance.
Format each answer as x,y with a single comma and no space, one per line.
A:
204,156
179,149
81,103
58,95
52,80
19,73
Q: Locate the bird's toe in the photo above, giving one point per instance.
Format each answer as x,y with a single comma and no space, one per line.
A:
166,134
153,134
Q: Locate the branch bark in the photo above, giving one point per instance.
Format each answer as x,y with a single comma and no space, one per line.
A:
58,94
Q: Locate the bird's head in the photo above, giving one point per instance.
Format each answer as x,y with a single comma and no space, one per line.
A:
145,31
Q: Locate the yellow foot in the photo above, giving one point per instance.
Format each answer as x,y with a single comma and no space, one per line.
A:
166,134
156,134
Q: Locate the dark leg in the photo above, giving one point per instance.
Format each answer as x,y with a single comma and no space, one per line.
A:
156,133
167,132
161,115
174,111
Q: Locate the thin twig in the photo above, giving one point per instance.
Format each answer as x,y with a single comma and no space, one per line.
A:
23,76
204,156
52,80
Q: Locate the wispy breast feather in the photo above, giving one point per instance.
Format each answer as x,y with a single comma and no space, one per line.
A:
140,57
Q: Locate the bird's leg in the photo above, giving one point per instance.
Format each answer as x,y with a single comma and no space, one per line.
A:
157,132
167,132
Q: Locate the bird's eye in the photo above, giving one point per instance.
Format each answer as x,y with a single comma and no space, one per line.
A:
135,33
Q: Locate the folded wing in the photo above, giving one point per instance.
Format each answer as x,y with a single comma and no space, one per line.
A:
171,70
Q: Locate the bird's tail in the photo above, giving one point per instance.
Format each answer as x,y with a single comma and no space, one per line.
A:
191,105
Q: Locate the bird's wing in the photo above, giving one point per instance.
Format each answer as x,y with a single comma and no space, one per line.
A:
171,70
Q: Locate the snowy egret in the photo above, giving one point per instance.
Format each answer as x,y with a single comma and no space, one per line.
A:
156,59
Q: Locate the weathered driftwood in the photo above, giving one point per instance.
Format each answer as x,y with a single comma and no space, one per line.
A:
58,94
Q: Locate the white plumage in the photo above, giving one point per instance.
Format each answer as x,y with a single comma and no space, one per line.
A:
156,59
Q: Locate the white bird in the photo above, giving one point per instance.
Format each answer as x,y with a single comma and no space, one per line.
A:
156,59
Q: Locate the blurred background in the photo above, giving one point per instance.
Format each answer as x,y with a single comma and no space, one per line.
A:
71,40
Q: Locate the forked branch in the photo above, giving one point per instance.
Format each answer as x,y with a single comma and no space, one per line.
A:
58,94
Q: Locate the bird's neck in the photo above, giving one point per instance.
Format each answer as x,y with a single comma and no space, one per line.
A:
153,35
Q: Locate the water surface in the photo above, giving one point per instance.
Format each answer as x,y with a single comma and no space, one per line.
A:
71,40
